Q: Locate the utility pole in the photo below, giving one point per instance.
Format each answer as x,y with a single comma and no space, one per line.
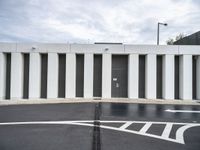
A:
158,31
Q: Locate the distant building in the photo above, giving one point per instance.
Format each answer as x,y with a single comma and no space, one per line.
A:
193,39
101,70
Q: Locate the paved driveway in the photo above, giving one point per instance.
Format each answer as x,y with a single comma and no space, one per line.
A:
99,126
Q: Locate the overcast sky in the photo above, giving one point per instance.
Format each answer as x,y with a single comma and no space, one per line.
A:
88,21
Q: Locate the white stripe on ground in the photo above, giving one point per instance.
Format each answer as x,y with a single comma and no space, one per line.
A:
180,132
126,125
145,127
90,121
167,130
182,111
165,135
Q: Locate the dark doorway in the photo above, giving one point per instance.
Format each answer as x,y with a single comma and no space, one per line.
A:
44,65
159,76
26,76
142,76
79,75
97,83
61,75
194,77
119,75
176,77
8,75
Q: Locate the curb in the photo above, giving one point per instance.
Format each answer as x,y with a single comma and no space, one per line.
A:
112,100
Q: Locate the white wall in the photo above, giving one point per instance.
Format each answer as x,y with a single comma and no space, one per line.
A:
2,75
150,77
52,75
106,76
133,75
186,77
34,76
88,75
107,50
70,76
16,88
168,76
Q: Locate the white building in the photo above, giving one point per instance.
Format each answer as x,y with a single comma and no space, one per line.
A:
99,70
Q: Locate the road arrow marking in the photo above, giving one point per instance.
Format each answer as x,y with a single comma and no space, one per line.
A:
183,111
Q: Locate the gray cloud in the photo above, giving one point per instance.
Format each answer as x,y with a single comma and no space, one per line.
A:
96,20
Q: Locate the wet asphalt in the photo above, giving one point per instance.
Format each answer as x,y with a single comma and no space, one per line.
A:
73,137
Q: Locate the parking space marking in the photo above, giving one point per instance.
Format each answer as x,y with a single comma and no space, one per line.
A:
126,125
167,130
147,125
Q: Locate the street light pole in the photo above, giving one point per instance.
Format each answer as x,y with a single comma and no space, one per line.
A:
158,31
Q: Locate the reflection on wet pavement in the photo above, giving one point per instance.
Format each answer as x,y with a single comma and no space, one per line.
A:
147,111
119,109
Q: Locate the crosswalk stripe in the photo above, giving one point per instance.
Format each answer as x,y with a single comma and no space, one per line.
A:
126,125
143,131
167,130
145,127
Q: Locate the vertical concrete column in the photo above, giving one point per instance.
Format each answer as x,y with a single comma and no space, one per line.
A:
186,77
88,75
168,77
70,85
150,77
2,75
133,72
16,89
198,77
52,76
106,76
34,76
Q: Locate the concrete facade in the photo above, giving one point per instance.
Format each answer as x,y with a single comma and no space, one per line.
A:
106,76
106,50
168,77
16,88
150,76
34,76
70,75
52,75
133,75
88,75
2,75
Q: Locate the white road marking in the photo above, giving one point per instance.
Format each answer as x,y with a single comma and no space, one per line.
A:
165,135
167,130
183,111
180,132
145,127
126,125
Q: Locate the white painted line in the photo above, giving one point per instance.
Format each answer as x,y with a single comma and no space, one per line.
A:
145,127
167,130
183,111
139,133
165,135
126,125
180,132
91,121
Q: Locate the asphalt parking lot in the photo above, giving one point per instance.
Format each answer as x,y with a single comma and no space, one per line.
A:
99,126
